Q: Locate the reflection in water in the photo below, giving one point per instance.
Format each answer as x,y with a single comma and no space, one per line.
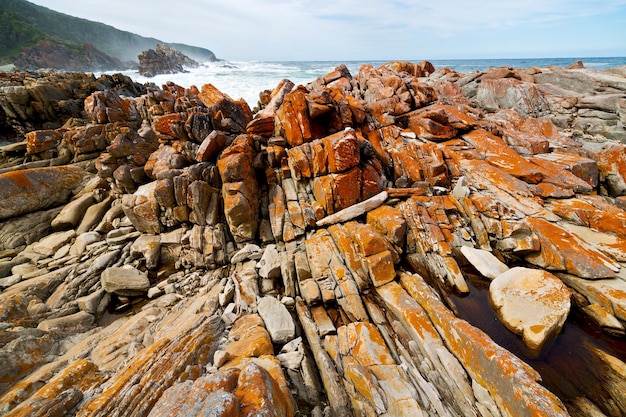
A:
573,367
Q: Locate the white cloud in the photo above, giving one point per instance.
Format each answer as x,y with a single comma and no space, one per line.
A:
325,29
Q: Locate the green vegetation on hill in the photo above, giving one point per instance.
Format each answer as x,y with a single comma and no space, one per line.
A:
15,34
23,24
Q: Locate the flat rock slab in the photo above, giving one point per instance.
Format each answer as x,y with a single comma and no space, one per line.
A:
278,321
484,261
125,281
532,303
34,189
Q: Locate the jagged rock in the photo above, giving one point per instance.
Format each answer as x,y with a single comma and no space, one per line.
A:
142,209
532,303
191,187
47,99
163,60
240,188
211,146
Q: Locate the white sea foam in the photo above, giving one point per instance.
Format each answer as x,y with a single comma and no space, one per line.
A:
243,79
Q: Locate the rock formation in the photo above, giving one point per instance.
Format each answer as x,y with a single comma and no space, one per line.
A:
326,256
47,99
163,60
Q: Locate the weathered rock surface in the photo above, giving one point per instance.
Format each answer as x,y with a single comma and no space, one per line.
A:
531,302
26,191
163,60
329,255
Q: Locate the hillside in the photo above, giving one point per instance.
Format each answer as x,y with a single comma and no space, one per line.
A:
24,24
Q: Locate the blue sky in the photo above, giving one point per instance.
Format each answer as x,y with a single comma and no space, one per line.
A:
280,30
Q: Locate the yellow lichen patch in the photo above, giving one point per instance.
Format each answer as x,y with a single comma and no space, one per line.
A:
248,337
82,375
262,386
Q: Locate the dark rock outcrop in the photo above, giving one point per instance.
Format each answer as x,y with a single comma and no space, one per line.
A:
163,60
47,99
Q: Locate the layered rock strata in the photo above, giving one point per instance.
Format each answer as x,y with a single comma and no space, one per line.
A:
194,258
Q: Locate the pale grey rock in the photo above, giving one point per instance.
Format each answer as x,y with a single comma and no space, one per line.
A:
125,281
278,321
290,360
531,302
484,261
94,215
220,357
90,302
24,269
155,292
10,280
461,189
249,251
354,211
270,262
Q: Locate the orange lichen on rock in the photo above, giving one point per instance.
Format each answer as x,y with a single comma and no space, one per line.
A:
498,153
518,392
562,251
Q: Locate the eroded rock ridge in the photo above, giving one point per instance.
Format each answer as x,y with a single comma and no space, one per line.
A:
188,257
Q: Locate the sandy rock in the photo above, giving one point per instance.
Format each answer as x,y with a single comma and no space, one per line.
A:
249,251
148,246
142,209
277,319
51,243
94,214
124,281
532,303
74,323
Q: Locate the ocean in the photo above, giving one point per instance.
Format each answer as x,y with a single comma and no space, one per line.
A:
244,79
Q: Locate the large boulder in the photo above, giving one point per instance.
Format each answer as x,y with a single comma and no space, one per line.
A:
531,302
35,189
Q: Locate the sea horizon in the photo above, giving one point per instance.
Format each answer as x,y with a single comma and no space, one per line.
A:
242,79
246,79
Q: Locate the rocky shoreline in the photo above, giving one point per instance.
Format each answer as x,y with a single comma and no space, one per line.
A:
167,252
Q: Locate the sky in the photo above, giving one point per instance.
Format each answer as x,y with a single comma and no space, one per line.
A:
314,30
